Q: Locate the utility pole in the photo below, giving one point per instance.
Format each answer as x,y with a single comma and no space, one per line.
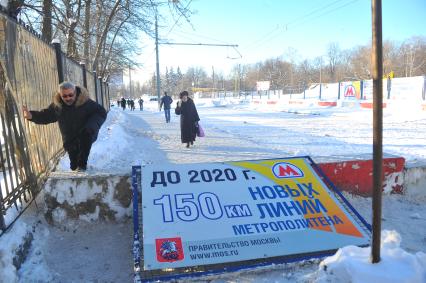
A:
130,83
320,86
239,80
213,88
157,61
200,44
171,43
180,43
377,72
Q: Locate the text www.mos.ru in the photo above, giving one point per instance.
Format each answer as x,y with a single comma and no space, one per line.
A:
214,254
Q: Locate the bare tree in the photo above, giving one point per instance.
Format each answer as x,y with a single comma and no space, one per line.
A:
333,54
103,29
413,55
102,33
73,11
361,62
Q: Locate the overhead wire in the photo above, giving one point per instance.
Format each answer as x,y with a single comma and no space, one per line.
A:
171,29
185,33
313,12
262,39
277,31
302,19
328,12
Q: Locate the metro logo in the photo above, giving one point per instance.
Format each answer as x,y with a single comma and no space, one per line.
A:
286,170
350,91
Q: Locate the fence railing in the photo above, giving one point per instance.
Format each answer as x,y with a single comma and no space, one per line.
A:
30,71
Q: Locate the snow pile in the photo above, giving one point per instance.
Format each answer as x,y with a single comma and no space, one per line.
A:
352,264
35,268
415,179
7,270
10,245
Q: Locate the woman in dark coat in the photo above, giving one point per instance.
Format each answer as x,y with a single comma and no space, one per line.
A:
188,118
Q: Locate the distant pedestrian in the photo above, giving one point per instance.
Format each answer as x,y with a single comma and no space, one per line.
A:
167,102
140,104
123,103
132,104
188,118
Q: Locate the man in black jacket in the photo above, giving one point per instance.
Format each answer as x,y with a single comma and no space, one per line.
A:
167,102
79,119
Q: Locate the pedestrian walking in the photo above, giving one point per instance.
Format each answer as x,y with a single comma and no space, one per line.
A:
166,101
79,119
123,103
188,118
132,105
140,104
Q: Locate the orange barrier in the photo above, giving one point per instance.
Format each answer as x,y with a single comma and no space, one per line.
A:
327,103
295,102
369,105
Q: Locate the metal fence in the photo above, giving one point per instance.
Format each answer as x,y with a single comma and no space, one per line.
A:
30,71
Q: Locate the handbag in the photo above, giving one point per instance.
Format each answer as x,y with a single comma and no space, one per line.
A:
200,131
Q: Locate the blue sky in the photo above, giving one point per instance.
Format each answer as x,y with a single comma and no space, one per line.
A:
265,29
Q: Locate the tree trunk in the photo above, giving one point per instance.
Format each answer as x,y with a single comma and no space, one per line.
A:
71,45
86,44
46,31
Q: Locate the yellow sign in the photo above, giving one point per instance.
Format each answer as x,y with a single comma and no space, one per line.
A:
389,75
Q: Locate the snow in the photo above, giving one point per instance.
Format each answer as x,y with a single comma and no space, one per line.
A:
89,250
352,264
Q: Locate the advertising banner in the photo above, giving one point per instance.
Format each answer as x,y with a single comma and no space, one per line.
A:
408,89
263,85
329,91
210,213
350,90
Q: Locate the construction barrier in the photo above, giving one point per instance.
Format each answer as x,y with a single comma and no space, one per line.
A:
356,176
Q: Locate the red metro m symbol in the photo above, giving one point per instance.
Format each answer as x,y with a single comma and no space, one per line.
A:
350,91
286,170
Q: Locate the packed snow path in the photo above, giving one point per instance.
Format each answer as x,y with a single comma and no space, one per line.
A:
241,133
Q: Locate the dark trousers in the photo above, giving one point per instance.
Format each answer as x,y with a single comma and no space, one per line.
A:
167,114
79,152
